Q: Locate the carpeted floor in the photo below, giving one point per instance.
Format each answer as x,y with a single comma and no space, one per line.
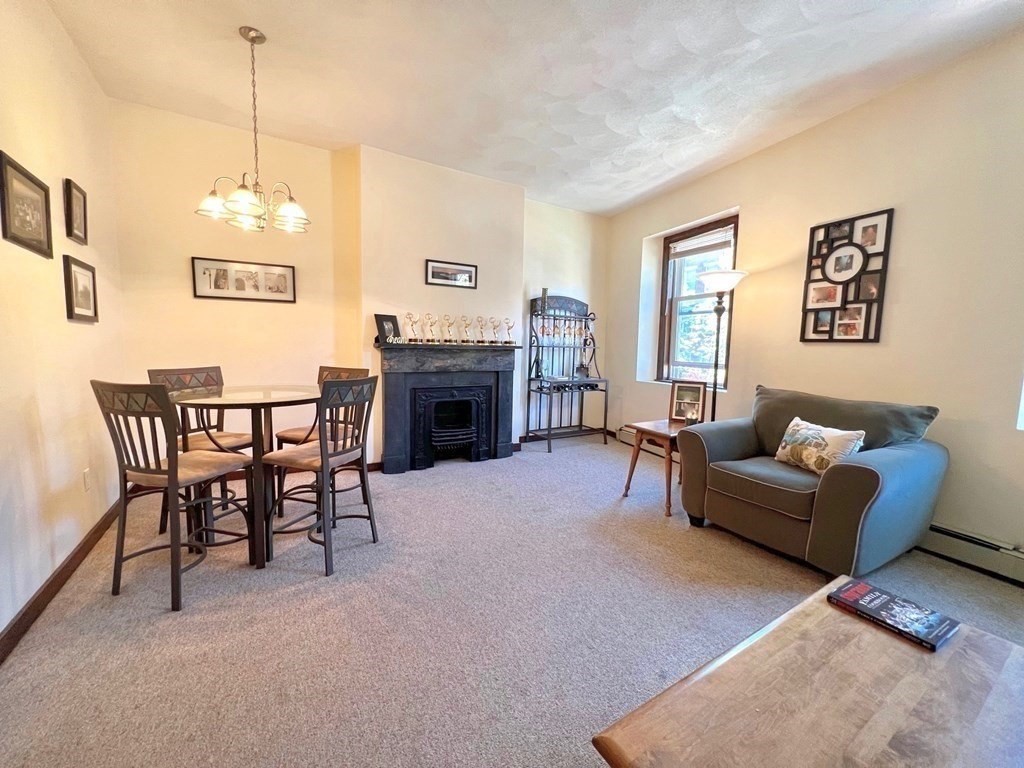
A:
512,610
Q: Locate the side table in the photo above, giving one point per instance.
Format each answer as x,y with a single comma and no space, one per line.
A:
662,433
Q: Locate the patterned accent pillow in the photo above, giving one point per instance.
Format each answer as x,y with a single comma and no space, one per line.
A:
816,448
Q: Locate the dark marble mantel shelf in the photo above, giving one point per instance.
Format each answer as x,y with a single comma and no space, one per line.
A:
425,345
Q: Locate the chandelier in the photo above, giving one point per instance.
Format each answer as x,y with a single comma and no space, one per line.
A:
246,207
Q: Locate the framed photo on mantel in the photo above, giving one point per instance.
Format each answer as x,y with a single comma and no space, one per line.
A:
242,280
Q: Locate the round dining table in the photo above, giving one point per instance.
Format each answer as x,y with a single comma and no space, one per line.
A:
259,400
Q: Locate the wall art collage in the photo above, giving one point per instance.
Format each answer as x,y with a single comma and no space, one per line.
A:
844,287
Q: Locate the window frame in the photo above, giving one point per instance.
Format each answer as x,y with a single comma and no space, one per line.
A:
664,361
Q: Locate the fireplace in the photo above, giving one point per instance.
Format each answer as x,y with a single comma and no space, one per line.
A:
445,402
451,422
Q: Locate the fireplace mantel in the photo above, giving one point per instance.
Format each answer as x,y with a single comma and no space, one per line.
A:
408,368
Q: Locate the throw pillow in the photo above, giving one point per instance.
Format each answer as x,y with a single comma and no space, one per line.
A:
815,447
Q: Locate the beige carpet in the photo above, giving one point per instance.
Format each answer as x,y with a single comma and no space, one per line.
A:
512,609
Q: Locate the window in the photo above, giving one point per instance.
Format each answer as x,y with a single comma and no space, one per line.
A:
687,342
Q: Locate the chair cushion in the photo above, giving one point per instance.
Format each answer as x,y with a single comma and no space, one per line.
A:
768,483
307,457
884,424
194,467
296,435
200,441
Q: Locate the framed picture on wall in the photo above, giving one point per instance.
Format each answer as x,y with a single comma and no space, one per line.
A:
242,280
80,290
76,220
451,273
388,330
687,402
24,208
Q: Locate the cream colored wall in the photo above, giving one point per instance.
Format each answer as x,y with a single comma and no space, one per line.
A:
54,120
565,252
412,211
165,163
944,151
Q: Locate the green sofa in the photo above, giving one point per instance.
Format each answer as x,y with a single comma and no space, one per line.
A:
860,514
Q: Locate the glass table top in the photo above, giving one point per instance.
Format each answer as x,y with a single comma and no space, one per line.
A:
249,396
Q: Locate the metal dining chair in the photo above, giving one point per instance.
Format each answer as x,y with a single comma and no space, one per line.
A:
300,435
143,426
343,423
207,433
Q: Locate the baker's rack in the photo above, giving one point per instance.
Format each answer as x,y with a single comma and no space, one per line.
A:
562,370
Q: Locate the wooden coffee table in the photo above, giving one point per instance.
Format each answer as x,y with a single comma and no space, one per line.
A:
820,687
662,433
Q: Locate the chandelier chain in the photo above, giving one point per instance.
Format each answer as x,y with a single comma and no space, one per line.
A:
255,129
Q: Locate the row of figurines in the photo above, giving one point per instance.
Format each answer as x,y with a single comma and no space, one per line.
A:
557,333
421,330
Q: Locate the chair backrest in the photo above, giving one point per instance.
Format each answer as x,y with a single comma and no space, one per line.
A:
143,426
331,373
345,407
207,380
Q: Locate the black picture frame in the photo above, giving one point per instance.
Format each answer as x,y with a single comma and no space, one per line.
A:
435,270
80,236
677,403
844,279
389,331
10,225
255,285
80,298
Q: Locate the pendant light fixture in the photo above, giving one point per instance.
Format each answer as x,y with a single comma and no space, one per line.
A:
246,207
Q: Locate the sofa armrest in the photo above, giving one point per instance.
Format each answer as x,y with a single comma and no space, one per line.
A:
701,444
875,506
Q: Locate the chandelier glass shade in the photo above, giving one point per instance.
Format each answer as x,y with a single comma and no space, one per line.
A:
246,207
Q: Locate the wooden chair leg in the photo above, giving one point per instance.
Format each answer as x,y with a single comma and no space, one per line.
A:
324,504
122,519
174,521
364,482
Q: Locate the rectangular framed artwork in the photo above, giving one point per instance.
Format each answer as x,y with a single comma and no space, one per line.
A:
451,273
242,280
80,290
688,401
844,281
76,220
24,208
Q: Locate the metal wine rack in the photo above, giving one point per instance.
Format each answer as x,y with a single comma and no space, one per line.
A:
562,369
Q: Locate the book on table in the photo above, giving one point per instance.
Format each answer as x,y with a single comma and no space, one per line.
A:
921,625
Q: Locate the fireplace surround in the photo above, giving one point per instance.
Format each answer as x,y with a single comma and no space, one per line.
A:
445,401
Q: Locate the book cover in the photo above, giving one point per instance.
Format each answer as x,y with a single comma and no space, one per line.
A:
923,626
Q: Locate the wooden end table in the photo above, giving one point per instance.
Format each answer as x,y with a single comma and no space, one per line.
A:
820,687
662,433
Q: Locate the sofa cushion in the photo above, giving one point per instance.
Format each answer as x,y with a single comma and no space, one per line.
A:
884,424
768,483
814,447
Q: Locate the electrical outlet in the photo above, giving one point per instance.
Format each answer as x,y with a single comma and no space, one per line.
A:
87,479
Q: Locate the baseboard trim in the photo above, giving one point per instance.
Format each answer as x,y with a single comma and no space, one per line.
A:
25,618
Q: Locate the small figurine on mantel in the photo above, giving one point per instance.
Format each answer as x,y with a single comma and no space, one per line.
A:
495,325
449,321
429,321
413,321
481,325
465,336
509,325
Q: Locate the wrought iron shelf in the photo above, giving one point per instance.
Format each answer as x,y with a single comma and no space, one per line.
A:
560,375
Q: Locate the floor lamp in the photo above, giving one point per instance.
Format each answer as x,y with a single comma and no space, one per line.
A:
719,282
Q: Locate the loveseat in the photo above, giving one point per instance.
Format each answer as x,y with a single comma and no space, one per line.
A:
858,515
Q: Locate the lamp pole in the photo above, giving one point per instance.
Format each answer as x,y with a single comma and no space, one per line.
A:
719,311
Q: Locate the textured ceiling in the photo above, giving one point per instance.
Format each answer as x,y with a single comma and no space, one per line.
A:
589,104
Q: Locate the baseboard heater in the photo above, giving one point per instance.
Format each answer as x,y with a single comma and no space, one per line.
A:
996,558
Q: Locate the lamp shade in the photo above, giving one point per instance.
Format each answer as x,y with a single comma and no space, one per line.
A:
248,223
720,280
290,217
213,207
243,202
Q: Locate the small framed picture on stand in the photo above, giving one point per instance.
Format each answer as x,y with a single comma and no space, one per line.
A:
688,402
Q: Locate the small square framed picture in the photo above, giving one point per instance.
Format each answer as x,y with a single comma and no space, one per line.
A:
76,219
24,208
451,273
688,401
388,330
80,290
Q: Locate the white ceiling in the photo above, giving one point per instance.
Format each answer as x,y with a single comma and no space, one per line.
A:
589,104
